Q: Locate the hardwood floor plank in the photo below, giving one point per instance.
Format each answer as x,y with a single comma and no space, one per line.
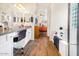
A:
41,47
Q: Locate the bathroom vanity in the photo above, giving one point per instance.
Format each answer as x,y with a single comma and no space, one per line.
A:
6,40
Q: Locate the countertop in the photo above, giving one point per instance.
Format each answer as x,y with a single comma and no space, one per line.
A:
16,29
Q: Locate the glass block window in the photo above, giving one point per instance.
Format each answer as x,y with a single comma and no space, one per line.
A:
74,10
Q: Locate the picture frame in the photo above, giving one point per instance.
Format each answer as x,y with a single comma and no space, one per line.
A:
14,19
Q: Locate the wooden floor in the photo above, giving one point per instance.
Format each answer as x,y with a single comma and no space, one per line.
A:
40,47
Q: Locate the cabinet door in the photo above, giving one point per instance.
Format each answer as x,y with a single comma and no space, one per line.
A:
6,44
29,33
63,48
3,45
10,43
28,36
73,50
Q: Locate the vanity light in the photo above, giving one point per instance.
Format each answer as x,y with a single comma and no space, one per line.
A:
19,6
22,9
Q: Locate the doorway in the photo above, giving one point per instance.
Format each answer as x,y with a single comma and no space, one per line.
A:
40,26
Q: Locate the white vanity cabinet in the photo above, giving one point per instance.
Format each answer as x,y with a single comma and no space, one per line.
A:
3,45
63,48
10,42
6,44
28,35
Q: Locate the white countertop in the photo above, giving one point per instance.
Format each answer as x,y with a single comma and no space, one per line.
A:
14,30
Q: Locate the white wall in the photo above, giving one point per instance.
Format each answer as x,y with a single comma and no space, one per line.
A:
9,8
59,17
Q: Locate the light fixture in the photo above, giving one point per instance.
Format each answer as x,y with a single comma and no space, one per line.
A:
19,6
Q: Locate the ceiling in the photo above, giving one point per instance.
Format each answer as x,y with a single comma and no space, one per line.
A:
29,7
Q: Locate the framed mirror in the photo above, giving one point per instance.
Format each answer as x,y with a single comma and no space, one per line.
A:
14,19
